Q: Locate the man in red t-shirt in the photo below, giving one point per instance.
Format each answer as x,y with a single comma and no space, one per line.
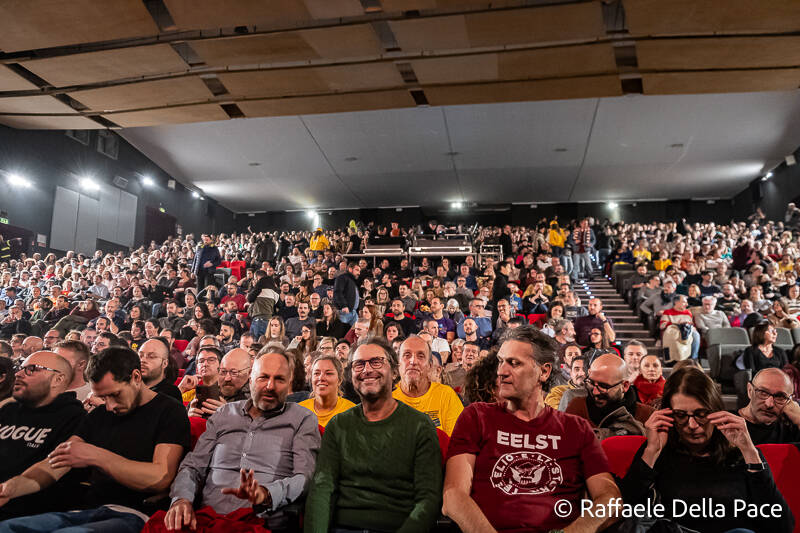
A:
509,463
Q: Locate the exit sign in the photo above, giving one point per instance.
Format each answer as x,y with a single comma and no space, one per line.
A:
3,220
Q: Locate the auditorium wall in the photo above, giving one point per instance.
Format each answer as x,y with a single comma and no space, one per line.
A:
51,158
773,194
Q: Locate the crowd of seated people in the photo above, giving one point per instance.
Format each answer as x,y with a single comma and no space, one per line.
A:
264,378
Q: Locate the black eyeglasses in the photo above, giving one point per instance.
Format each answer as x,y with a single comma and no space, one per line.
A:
779,398
682,417
376,363
30,370
590,384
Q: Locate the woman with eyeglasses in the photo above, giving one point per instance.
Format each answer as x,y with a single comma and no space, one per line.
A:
697,453
598,345
327,375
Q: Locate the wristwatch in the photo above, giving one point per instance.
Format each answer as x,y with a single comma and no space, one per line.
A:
266,505
756,467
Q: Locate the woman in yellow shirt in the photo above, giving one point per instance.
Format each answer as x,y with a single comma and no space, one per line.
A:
327,375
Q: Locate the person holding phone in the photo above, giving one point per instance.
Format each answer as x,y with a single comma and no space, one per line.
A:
696,451
204,384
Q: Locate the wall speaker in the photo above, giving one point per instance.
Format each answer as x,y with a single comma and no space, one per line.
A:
120,182
171,184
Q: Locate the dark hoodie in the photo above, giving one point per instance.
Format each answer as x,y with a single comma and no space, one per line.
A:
28,435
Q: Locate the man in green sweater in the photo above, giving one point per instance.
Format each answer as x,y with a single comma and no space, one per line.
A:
379,468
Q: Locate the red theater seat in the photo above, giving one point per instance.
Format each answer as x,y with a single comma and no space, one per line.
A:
620,452
180,344
784,461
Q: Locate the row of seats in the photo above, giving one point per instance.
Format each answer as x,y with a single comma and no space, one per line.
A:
722,345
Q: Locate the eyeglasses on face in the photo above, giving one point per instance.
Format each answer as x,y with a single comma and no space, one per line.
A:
779,398
30,370
206,360
233,373
376,363
682,417
605,387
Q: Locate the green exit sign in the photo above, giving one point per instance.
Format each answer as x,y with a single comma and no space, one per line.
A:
3,220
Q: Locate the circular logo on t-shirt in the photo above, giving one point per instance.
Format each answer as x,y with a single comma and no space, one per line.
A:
526,473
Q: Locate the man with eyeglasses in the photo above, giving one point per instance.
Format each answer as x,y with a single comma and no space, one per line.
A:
256,453
154,359
42,416
234,373
207,361
611,405
772,416
379,468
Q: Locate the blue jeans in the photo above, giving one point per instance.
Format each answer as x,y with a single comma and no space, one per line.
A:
99,520
566,262
349,318
583,266
258,327
695,344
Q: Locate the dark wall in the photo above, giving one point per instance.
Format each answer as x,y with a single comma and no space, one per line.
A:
51,158
773,194
721,211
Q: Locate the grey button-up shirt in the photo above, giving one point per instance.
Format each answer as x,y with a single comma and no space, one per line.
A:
281,450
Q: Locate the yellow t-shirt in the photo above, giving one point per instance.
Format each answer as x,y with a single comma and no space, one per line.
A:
440,403
638,254
341,406
662,264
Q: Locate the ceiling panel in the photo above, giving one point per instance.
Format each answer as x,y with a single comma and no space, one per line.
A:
519,65
50,123
391,6
729,81
521,91
32,24
169,115
710,53
529,184
683,17
145,94
9,81
499,28
107,65
198,14
309,105
331,43
285,82
33,104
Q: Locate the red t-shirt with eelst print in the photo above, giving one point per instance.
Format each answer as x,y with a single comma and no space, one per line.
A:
523,468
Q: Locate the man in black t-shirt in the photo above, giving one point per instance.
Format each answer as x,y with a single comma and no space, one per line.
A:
132,446
772,416
42,416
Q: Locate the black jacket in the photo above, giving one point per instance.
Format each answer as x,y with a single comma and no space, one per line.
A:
345,289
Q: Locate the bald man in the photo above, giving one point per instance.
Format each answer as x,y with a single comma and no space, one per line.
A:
43,415
31,345
611,405
154,359
234,375
439,402
773,416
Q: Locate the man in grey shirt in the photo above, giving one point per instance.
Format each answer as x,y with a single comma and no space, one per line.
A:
709,317
259,452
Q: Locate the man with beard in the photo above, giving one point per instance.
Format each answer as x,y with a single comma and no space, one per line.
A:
595,319
472,334
772,416
415,389
234,372
511,463
379,467
275,443
611,405
132,446
51,338
154,359
43,415
577,373
208,360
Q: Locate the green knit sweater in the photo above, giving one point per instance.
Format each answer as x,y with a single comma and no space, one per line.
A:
384,476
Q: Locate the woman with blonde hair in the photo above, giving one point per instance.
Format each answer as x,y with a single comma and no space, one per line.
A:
327,376
276,332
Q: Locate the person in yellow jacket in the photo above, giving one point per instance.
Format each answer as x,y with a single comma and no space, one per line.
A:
319,242
417,390
327,375
577,375
556,238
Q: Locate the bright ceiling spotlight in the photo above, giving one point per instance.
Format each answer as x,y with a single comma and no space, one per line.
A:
195,194
147,181
89,184
613,205
457,205
311,213
16,180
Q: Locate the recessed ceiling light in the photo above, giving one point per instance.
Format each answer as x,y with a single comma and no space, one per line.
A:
351,159
255,164
676,145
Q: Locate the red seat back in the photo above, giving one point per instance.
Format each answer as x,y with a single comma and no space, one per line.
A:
197,426
180,344
533,318
784,461
620,451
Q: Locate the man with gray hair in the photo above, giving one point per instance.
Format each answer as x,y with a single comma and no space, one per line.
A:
709,317
510,462
274,444
439,402
772,416
661,301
